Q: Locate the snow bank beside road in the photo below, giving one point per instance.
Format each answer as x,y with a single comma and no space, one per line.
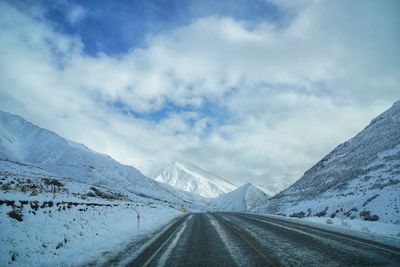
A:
372,228
75,235
49,221
385,233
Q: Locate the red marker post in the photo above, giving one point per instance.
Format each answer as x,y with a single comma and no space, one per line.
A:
342,215
138,221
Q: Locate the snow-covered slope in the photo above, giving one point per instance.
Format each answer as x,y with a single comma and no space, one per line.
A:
361,175
21,141
273,189
241,199
51,221
191,178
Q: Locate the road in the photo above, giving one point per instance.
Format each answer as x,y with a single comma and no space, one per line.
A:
239,239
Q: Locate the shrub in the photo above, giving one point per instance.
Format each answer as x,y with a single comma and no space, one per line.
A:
90,194
309,212
369,200
14,256
47,204
101,194
6,187
10,203
34,205
322,213
16,215
25,188
300,214
366,215
349,213
54,182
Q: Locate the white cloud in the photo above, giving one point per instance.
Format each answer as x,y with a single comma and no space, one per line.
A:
285,96
75,14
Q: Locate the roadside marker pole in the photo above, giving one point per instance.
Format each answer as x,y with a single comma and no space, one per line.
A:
138,222
342,215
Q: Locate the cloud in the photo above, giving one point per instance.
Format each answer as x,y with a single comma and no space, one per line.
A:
249,101
75,14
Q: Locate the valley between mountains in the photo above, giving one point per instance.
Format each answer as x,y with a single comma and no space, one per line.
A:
63,204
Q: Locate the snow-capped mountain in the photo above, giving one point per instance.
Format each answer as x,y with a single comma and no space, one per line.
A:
191,178
362,176
243,198
274,188
24,142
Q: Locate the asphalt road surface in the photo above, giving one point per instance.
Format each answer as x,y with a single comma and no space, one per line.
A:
239,239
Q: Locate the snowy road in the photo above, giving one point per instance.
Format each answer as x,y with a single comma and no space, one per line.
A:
238,239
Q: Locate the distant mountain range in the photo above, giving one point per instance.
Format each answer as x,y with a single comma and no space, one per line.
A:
25,144
191,178
222,194
362,176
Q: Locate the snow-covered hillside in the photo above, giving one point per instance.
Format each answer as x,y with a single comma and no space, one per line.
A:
274,188
50,221
191,178
361,175
57,197
241,199
21,141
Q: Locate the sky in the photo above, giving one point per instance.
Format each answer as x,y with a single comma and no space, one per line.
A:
254,91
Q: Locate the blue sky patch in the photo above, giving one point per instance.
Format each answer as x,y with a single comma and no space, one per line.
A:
115,27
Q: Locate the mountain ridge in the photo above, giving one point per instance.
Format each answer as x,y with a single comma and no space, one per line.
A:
25,142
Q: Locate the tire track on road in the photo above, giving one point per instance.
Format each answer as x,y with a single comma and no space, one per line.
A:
265,259
155,246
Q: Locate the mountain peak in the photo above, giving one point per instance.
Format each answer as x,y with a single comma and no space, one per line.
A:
247,186
191,178
243,198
